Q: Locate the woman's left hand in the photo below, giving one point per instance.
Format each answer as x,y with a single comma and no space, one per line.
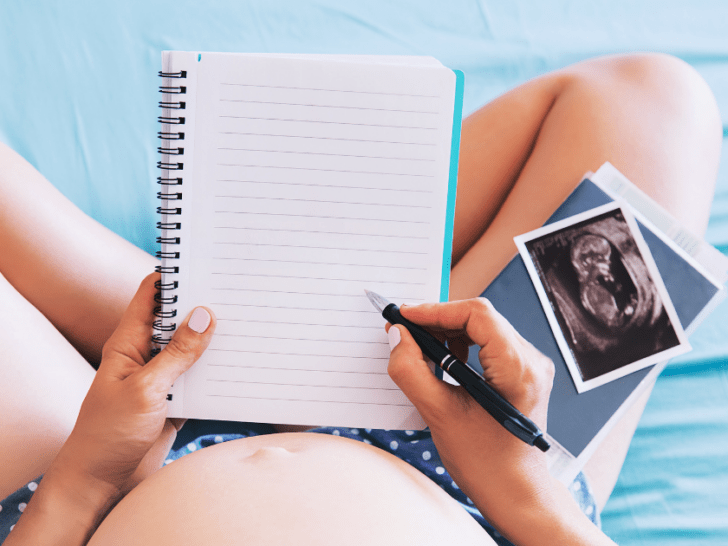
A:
124,413
122,432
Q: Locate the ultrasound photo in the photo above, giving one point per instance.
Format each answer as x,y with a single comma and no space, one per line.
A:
603,295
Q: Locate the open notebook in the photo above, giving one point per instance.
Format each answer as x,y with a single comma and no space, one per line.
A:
291,184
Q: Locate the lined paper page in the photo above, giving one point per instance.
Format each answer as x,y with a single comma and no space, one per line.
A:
313,180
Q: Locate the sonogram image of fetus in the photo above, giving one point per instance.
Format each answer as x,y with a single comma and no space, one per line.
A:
602,294
611,302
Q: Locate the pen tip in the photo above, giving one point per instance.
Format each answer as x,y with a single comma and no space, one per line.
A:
377,301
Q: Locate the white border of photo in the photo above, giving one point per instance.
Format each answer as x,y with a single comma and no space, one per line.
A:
661,356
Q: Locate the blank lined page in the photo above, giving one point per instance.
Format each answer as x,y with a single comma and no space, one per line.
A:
313,180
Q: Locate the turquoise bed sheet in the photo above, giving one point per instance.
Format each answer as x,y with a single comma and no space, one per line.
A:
78,90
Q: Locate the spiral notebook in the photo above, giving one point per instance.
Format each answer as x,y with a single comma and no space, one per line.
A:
291,184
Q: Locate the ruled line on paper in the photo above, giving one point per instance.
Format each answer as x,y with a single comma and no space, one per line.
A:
303,293
317,263
301,152
389,94
323,170
367,357
350,341
322,217
310,185
293,369
241,243
328,106
294,308
308,400
303,384
323,232
292,120
298,199
310,278
255,321
329,138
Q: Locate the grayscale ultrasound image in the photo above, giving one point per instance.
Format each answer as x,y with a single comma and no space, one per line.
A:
602,294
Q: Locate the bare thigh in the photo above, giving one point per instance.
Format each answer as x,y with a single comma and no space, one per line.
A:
43,381
651,116
74,270
65,281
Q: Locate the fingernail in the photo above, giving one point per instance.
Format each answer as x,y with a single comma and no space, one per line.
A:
394,337
200,320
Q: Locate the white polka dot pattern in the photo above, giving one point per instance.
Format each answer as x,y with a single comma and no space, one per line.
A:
414,447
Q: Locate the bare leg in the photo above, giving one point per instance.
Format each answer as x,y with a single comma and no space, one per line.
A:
651,116
76,272
61,274
43,380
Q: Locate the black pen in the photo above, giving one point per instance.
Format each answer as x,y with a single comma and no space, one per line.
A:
502,411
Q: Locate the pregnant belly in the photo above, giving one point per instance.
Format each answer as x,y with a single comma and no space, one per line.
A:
298,489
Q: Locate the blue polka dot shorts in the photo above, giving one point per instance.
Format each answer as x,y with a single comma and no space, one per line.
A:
413,447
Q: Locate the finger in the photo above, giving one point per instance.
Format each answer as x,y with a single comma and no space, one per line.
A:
133,335
178,423
460,347
510,364
437,333
457,340
435,330
189,341
413,376
476,318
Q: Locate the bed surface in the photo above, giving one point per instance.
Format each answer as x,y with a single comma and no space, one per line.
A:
78,89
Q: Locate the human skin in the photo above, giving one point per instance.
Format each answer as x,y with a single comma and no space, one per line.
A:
521,155
247,487
295,488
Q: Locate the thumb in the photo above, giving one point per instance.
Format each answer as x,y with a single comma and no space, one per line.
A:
190,340
411,373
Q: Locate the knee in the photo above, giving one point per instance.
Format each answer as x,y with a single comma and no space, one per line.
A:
655,118
669,85
672,82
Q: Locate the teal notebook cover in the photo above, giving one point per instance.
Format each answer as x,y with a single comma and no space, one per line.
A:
457,121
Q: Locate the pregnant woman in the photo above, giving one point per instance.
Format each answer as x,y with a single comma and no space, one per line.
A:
68,288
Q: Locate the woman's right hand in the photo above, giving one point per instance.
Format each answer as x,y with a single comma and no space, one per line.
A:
506,478
484,459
